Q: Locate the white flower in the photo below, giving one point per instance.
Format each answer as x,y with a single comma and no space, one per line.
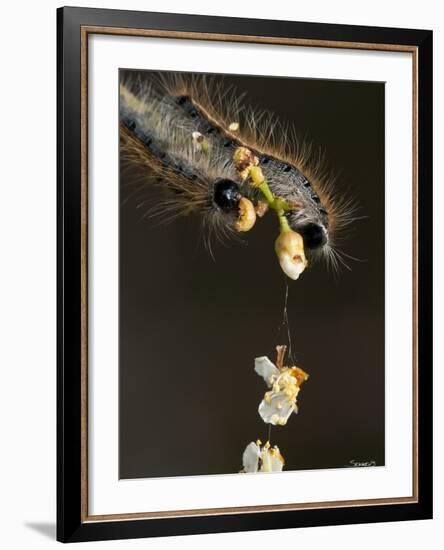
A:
289,248
285,382
262,458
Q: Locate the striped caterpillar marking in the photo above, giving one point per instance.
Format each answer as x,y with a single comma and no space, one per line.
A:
167,119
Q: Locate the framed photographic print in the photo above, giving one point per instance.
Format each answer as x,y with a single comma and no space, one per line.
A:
244,284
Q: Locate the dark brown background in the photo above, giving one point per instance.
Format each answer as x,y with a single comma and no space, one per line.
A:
190,327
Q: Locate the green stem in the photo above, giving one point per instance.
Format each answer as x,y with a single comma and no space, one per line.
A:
283,223
278,205
268,195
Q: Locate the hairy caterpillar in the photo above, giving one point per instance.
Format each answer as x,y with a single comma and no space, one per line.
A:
197,139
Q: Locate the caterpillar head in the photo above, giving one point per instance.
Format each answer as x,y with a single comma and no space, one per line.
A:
228,198
309,217
315,235
226,194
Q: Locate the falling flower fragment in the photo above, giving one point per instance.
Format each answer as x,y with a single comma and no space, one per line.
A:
285,383
262,458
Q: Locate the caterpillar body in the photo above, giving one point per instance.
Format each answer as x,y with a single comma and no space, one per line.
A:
200,142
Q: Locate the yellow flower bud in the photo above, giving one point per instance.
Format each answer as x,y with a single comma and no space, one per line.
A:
247,215
261,208
289,248
242,158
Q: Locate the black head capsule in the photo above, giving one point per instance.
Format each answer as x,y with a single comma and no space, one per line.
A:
226,194
314,235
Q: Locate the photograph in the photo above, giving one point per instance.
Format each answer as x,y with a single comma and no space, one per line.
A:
251,274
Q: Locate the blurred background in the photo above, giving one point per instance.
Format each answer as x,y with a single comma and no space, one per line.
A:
190,327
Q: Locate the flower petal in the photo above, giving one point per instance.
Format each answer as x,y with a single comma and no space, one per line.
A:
250,458
276,460
265,368
265,461
271,460
276,408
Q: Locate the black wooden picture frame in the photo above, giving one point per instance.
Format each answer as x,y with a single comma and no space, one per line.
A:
73,24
